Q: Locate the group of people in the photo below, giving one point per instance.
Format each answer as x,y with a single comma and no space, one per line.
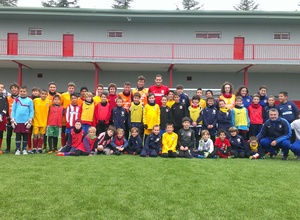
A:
149,121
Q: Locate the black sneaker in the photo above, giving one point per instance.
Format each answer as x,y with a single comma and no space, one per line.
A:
33,151
272,156
40,151
6,151
284,158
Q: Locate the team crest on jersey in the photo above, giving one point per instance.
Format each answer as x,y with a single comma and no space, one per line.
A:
173,138
265,101
154,108
289,106
162,91
189,134
167,110
214,111
280,126
227,113
157,139
180,107
122,113
248,100
239,140
183,100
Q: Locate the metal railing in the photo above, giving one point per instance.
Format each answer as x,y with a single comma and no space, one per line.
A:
150,51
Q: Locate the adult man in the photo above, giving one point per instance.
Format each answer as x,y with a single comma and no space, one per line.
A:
158,89
275,134
140,89
287,109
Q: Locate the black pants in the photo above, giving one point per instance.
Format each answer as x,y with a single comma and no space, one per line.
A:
169,154
80,153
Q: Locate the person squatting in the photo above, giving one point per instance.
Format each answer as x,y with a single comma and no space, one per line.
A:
149,122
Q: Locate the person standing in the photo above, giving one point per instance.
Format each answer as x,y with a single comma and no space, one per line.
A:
159,90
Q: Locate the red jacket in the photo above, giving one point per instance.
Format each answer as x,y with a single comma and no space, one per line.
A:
75,139
255,112
102,113
222,144
55,116
87,144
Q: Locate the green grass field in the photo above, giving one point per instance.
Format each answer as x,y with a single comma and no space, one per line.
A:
45,186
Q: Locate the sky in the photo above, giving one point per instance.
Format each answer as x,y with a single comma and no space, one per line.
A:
264,5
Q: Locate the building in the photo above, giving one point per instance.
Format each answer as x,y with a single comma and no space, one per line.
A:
193,48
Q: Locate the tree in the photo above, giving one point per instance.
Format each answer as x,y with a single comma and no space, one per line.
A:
191,5
121,4
60,3
12,3
246,5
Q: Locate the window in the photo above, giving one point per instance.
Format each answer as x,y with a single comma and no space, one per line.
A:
281,36
208,35
35,31
115,34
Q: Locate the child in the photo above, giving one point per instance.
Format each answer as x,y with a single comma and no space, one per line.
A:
266,109
153,143
97,97
54,123
254,151
135,142
21,119
151,115
14,89
239,117
73,112
102,114
206,146
237,142
255,112
74,140
3,112
104,140
165,115
86,147
87,112
182,96
223,145
263,97
119,115
39,123
224,116
186,138
210,116
170,101
81,98
202,102
179,111
169,142
287,109
112,96
119,143
136,114
35,93
195,113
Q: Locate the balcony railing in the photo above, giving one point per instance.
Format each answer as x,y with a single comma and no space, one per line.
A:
149,51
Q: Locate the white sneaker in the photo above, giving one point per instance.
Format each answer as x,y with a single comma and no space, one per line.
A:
17,153
24,152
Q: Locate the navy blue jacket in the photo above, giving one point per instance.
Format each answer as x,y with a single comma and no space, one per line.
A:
185,100
288,111
224,120
209,116
119,117
278,130
237,143
135,142
153,142
263,101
